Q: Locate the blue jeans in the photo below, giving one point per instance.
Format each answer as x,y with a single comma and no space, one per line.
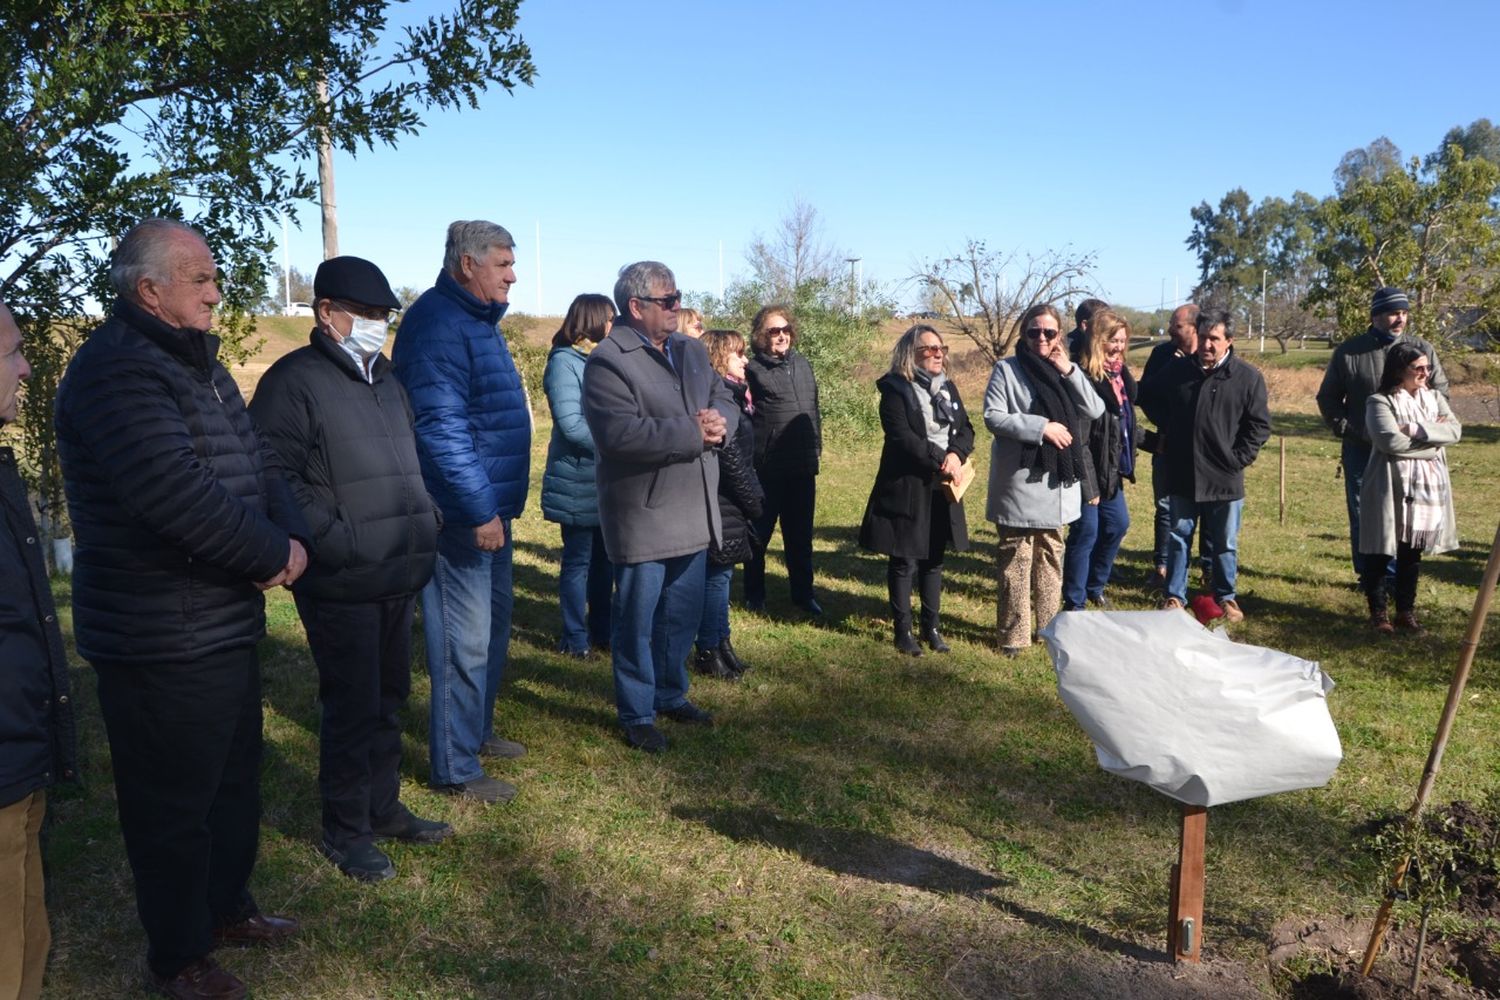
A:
466,612
583,588
657,608
1093,542
1220,543
713,626
1163,519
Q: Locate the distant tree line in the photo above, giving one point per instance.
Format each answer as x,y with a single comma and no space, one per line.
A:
1430,225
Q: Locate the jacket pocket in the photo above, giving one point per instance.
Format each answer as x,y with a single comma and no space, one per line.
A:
655,493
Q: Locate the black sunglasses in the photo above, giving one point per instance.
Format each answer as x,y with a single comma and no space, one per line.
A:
665,301
1037,332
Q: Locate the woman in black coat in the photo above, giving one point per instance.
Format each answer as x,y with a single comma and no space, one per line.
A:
928,437
788,444
740,503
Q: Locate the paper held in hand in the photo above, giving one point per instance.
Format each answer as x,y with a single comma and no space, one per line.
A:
955,490
1195,715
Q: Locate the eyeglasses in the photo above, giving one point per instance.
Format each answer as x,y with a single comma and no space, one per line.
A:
933,349
1420,369
1038,332
665,301
776,331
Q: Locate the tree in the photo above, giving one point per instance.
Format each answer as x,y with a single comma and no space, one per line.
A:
795,257
299,289
988,291
1479,139
1431,230
114,110
1253,255
1374,163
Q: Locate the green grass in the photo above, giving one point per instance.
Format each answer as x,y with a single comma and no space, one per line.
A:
858,822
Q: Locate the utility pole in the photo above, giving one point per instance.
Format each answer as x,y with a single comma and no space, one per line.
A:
853,285
325,180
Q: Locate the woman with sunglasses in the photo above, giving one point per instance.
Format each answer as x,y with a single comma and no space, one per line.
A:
1094,539
788,443
1037,405
1406,500
569,495
909,518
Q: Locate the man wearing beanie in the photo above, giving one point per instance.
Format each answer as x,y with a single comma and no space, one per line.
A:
1351,377
342,427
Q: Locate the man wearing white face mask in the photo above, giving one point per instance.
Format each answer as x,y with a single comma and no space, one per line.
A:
342,426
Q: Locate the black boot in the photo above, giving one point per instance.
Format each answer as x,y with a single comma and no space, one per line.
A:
934,638
731,658
709,663
904,641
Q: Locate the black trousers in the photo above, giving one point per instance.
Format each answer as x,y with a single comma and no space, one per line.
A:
363,654
792,501
185,743
1372,577
928,573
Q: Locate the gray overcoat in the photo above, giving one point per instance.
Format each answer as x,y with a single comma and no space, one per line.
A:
658,485
1381,492
1013,502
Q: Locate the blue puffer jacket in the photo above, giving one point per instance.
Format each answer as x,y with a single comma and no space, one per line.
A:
473,427
569,494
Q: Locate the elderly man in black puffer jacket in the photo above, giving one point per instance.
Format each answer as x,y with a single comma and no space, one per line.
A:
181,520
342,426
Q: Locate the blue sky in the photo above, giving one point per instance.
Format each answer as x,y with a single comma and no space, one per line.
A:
664,129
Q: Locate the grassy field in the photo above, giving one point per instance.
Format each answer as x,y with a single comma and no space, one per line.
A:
859,824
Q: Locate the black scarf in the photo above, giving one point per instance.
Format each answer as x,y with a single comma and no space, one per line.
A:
942,404
1049,398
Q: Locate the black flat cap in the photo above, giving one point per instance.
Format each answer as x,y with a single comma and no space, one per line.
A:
356,280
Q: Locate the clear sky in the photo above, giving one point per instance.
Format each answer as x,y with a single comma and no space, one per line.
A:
663,130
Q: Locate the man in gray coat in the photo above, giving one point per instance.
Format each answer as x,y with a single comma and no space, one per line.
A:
1352,375
657,411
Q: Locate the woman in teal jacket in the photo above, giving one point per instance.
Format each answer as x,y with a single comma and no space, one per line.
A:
569,495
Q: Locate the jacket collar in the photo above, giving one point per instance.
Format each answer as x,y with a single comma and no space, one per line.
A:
490,312
330,349
194,348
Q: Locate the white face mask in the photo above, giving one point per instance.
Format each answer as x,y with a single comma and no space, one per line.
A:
367,336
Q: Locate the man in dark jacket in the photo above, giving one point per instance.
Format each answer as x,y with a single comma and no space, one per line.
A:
474,442
341,425
1352,376
1078,337
1212,408
1181,342
182,519
36,715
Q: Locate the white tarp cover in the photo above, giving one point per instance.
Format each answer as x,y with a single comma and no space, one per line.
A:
1191,713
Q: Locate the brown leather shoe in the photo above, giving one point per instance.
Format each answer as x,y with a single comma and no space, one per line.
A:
203,980
263,928
1408,620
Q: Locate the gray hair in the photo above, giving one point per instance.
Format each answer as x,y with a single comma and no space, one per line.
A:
473,239
639,280
904,354
143,252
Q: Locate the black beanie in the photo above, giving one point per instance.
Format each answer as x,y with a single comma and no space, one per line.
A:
1388,300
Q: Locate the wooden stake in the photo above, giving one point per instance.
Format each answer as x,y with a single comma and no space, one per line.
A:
1439,744
1185,927
1282,439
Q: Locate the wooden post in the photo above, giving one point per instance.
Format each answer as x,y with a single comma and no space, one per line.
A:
1185,929
1282,439
1467,649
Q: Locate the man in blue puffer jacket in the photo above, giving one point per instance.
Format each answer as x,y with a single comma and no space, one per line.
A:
474,444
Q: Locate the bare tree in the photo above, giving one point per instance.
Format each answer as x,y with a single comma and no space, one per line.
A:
794,256
987,291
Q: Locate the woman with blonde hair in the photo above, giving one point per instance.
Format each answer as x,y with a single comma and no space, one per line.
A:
569,495
740,499
909,517
1037,405
1094,539
690,322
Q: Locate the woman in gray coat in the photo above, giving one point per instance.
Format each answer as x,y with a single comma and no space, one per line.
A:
1037,405
569,495
1406,500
